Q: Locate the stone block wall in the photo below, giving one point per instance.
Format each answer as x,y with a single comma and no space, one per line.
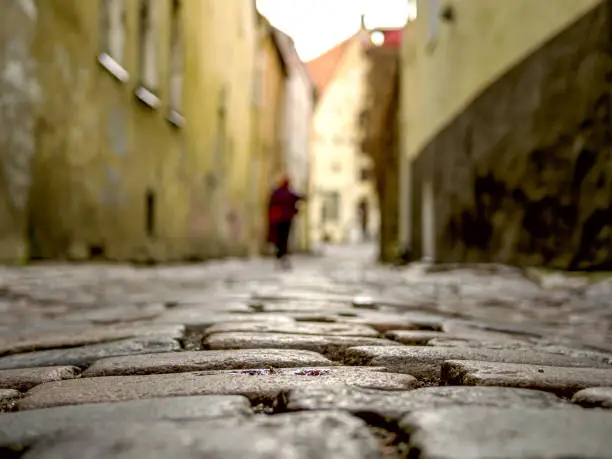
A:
524,174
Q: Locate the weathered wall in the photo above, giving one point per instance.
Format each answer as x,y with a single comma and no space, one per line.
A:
19,93
233,49
103,157
454,61
522,175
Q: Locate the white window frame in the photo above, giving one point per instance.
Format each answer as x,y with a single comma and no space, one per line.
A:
433,20
112,38
147,53
176,64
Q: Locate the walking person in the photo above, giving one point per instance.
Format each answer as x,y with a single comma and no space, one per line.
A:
282,209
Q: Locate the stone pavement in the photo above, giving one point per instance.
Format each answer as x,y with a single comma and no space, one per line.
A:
339,358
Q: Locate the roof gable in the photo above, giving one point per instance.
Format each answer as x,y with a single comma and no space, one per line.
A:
324,67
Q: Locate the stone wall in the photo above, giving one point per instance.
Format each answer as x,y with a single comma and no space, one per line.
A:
524,174
18,94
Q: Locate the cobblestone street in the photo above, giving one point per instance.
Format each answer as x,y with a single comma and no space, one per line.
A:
338,358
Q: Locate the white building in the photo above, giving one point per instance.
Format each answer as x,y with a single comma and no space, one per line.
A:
300,95
343,204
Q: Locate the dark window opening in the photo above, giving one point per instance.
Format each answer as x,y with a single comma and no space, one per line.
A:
96,252
365,174
150,213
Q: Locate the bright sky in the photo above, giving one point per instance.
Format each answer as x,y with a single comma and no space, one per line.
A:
318,25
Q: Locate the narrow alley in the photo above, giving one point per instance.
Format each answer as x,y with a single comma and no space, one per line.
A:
338,358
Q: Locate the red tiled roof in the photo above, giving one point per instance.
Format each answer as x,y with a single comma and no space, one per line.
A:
324,67
393,37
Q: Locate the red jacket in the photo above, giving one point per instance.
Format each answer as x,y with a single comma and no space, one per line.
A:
282,208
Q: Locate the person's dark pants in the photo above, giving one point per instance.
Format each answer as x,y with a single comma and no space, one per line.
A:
282,239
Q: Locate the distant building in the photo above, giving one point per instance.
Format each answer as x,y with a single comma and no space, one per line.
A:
506,130
343,204
300,97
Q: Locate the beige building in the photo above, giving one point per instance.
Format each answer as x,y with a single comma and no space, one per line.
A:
506,132
343,204
125,129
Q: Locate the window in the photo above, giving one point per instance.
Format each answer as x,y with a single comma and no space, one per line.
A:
112,37
331,206
412,10
336,166
365,174
147,46
176,58
434,19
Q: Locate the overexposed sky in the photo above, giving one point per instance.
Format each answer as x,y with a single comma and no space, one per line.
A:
318,25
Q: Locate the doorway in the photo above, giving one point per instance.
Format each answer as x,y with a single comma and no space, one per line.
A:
428,231
363,211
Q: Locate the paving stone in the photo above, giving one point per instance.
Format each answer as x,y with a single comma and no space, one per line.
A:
285,436
535,346
365,302
25,426
563,381
299,307
301,328
393,405
73,336
594,397
175,362
510,433
425,361
25,378
85,355
258,385
385,321
413,337
114,314
198,319
333,347
8,394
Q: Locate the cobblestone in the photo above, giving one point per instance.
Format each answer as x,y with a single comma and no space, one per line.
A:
561,380
426,362
338,358
259,386
26,378
7,395
296,435
394,405
334,347
176,362
594,397
482,432
86,355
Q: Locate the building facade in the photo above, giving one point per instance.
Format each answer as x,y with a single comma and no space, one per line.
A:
343,206
507,139
126,129
296,124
